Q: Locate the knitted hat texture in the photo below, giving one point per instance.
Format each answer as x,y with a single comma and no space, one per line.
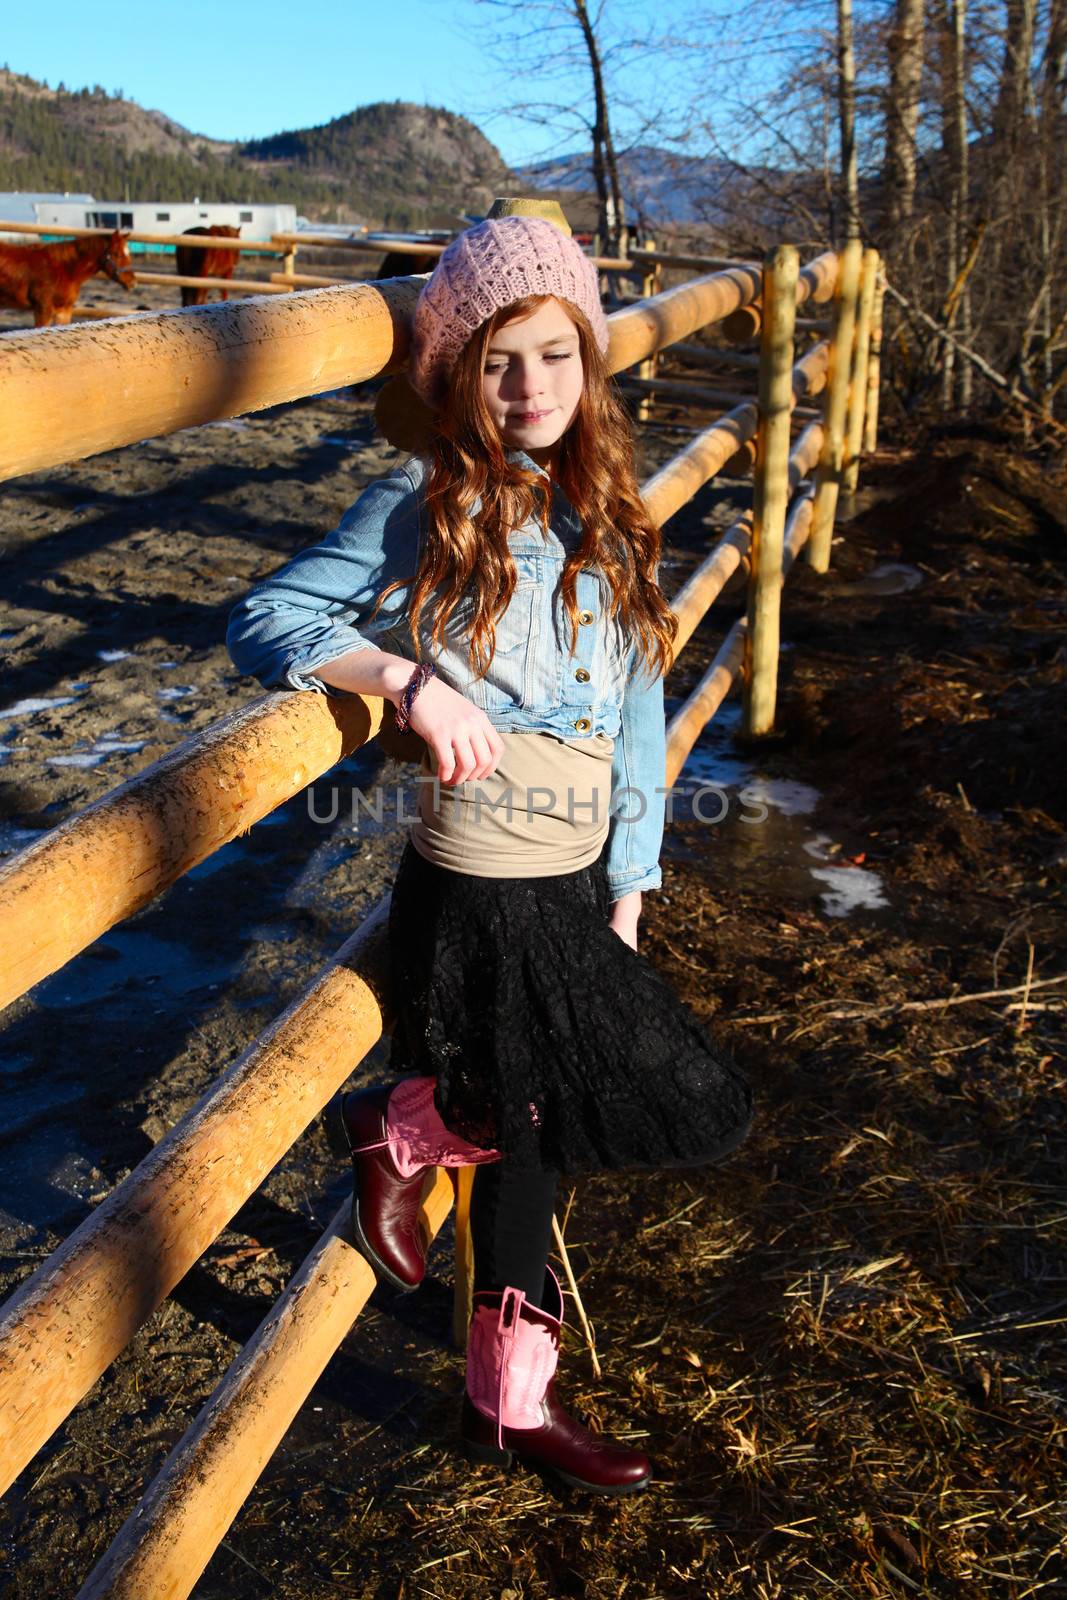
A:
484,269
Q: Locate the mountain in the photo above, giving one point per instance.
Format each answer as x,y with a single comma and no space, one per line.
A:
432,158
663,189
394,165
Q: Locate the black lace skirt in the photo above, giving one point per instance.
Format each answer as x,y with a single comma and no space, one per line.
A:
550,1039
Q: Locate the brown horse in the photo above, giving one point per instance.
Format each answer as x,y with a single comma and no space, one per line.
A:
47,278
193,263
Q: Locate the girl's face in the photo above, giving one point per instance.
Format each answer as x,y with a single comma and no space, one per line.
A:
532,380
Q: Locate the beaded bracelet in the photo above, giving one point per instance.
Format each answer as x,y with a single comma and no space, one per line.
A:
422,674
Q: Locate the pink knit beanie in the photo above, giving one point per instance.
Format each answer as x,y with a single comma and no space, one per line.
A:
484,269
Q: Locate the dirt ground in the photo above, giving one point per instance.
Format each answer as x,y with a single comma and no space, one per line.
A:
843,1348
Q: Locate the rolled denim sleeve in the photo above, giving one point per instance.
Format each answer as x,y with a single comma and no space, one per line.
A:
639,766
307,613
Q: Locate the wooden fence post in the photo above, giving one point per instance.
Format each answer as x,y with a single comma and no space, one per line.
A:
651,283
771,498
832,461
463,1290
874,367
857,402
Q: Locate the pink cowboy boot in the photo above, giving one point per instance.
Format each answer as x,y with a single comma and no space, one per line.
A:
393,1136
510,1407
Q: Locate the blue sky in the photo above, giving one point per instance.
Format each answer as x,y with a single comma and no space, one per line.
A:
255,67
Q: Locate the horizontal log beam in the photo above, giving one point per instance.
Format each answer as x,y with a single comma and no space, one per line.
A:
817,282
699,355
666,258
699,394
810,372
106,862
195,241
693,394
178,280
324,241
408,247
101,313
71,392
65,1325
662,319
675,484
306,280
167,1541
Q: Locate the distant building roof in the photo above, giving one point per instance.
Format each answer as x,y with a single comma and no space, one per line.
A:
16,205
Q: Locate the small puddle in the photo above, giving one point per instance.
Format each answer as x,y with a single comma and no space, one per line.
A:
891,577
764,826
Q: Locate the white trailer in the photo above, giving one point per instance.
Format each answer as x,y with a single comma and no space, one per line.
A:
149,216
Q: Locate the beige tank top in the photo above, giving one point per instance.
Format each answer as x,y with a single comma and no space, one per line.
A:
542,812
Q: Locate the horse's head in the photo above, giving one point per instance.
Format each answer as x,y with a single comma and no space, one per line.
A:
117,263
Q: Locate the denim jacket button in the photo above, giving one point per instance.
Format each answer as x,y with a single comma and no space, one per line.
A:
585,616
581,675
583,725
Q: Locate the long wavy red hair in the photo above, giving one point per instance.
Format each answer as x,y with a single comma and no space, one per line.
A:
475,497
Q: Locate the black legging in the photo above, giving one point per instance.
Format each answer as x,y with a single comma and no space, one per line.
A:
511,1227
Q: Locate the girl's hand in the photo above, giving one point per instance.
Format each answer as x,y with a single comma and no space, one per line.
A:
463,740
624,915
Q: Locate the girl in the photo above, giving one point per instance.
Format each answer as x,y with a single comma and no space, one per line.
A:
536,1040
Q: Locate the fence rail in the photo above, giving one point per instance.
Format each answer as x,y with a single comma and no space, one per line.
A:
72,1317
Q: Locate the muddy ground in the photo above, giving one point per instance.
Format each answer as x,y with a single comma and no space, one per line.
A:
843,1349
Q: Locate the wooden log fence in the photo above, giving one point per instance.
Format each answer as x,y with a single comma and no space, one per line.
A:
832,462
283,244
772,489
120,382
874,366
286,245
65,1325
181,280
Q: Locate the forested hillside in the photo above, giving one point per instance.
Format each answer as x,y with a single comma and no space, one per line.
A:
392,164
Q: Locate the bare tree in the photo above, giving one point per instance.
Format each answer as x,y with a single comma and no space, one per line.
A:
905,52
1013,91
846,102
1054,63
610,204
955,153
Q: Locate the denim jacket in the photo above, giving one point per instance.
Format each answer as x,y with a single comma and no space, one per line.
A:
316,609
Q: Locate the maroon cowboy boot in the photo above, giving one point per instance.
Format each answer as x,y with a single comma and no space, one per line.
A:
386,1227
510,1407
